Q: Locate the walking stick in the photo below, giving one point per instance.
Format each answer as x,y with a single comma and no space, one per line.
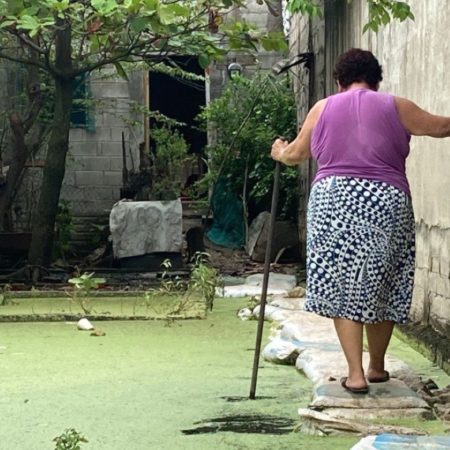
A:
273,213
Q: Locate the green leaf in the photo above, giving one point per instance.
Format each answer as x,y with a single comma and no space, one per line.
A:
139,24
172,12
121,71
204,60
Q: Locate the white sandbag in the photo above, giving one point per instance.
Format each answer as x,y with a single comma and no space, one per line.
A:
279,280
138,228
378,415
394,441
280,352
245,290
299,328
319,423
292,304
393,394
320,361
272,313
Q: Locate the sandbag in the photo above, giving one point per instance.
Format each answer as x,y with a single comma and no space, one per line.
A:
280,352
393,394
272,313
319,423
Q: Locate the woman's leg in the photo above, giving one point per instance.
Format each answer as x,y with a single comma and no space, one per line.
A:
378,337
350,335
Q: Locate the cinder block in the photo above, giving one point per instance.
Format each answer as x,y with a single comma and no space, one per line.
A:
79,134
443,287
439,311
417,305
432,281
84,148
103,134
445,267
116,134
112,178
435,264
69,178
116,164
94,178
421,277
110,89
110,149
111,119
92,164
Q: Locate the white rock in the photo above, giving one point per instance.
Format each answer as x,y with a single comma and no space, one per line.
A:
245,314
85,325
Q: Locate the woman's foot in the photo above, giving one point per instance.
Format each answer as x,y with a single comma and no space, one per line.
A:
359,388
377,376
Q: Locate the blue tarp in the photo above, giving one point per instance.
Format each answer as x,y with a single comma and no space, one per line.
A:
228,228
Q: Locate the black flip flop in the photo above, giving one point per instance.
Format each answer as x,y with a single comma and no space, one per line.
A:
364,390
380,379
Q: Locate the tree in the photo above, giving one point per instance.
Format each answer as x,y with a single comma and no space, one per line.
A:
27,133
381,12
68,38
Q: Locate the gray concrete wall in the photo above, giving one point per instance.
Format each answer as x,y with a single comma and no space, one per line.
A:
260,16
415,59
94,165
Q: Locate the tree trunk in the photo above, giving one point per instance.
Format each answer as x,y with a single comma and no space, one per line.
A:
15,170
22,149
43,229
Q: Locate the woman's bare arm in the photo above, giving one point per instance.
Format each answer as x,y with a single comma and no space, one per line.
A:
299,149
419,122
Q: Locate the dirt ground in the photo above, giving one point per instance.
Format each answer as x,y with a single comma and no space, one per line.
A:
237,263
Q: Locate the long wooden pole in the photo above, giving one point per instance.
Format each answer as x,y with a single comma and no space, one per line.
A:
273,214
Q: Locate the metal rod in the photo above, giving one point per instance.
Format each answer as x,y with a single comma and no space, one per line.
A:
273,213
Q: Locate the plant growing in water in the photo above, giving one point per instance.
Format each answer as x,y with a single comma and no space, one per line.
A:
69,440
204,279
83,285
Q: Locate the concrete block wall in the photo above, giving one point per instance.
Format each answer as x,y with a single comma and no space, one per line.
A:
94,165
258,15
414,56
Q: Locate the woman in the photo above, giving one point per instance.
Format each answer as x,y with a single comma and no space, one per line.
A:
360,244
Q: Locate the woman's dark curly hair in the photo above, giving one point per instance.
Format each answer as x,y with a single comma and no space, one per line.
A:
357,65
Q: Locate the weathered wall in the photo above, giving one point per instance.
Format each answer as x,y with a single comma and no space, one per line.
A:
260,16
94,164
415,60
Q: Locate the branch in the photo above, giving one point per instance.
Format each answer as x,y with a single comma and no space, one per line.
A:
29,43
25,61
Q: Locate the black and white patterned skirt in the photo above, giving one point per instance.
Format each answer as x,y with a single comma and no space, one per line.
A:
360,246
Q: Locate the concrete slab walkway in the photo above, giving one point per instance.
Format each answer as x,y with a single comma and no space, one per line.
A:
310,342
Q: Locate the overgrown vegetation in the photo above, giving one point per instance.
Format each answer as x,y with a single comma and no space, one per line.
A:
169,155
205,278
244,120
69,39
83,284
204,281
381,12
69,440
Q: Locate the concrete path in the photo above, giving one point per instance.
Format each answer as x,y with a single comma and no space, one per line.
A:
310,342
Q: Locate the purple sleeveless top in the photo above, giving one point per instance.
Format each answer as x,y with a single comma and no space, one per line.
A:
359,134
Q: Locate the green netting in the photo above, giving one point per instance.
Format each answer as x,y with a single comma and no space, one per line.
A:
228,228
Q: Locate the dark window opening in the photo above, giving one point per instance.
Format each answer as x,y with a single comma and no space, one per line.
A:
181,100
82,115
